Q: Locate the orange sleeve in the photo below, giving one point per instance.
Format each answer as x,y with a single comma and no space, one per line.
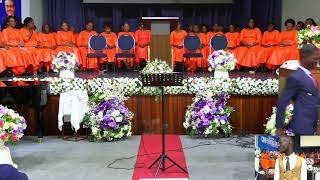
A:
294,38
58,38
258,35
136,36
242,34
149,36
74,39
171,38
53,41
264,37
1,38
277,39
238,39
24,34
115,39
79,40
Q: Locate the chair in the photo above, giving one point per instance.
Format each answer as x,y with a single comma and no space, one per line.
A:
125,43
218,42
192,44
96,44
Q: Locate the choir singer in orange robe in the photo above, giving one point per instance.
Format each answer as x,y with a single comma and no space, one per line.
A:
233,39
17,58
111,38
66,41
193,63
48,45
143,40
176,41
205,48
270,40
250,39
3,54
288,46
126,31
82,43
31,42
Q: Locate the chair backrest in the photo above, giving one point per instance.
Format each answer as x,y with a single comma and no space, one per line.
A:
97,42
219,42
126,42
192,43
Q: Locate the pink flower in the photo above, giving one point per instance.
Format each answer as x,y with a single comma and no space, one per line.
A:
1,124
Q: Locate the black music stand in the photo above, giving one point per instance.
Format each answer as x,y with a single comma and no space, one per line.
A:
162,80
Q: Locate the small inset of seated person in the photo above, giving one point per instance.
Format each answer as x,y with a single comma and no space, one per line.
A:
289,166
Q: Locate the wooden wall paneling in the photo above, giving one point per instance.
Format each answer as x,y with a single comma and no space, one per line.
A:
236,118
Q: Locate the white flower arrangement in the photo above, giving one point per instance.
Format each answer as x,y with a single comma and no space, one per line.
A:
222,60
192,85
271,123
157,66
64,61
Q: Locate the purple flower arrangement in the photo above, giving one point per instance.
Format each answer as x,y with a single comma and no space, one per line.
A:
222,60
208,116
12,125
64,61
110,120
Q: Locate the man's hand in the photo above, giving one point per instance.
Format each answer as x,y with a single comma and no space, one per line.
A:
280,132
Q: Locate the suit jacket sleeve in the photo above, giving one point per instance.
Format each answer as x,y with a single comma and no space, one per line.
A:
288,94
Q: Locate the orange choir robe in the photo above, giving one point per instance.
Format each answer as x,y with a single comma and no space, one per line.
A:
3,55
63,37
82,43
130,60
233,42
18,59
247,57
176,39
47,43
142,37
268,38
30,44
204,50
193,63
112,43
284,53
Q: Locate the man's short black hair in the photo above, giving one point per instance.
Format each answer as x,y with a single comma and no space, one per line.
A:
308,50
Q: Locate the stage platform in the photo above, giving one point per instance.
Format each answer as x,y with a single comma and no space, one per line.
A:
251,110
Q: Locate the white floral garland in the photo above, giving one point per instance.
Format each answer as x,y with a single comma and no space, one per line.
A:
133,86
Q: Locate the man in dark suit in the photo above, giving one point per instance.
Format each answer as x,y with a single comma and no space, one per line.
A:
8,172
302,89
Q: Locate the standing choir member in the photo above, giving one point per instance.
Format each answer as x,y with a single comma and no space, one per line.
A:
176,41
126,31
233,39
205,47
31,42
111,38
82,43
48,45
143,40
66,41
3,54
250,39
215,31
17,59
299,26
288,46
310,22
270,40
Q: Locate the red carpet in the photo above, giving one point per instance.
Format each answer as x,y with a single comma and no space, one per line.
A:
150,150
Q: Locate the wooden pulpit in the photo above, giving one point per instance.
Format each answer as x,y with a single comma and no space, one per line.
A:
160,40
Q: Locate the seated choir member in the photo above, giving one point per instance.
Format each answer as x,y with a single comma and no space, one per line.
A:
176,41
126,31
250,39
48,45
192,63
17,58
3,55
310,22
270,40
143,40
66,41
31,42
82,43
287,49
111,38
205,47
233,38
299,26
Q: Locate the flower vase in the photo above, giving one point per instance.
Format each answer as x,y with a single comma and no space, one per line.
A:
5,155
221,74
66,74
